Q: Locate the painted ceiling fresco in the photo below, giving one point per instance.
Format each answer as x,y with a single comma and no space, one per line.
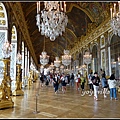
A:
80,14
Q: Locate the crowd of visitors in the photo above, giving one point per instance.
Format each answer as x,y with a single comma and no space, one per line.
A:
94,81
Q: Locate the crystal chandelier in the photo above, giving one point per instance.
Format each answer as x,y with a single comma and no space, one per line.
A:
41,69
19,58
6,50
44,58
57,70
66,58
87,58
115,20
52,20
57,62
62,68
51,67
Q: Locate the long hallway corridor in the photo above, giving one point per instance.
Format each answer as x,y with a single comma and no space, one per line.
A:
68,105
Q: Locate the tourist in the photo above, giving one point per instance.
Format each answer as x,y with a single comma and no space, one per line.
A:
90,83
95,81
104,84
112,86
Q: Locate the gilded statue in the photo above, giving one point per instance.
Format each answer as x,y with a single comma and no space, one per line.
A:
5,91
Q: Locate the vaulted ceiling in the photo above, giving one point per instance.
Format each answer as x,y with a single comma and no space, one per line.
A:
80,15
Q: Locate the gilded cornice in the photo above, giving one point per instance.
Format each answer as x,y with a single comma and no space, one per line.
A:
77,6
85,40
72,33
69,30
18,13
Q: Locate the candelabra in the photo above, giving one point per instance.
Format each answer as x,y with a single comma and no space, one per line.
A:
115,20
30,78
52,20
62,68
87,58
51,67
66,58
57,70
6,100
44,58
18,90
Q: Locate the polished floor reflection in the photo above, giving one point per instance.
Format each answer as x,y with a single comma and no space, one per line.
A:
42,102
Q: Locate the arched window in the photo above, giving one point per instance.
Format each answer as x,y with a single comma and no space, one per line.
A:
115,53
3,34
13,56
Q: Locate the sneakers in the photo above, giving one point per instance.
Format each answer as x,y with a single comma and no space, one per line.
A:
116,99
95,98
105,96
111,98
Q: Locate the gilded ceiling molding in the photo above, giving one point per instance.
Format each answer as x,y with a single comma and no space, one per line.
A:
18,13
85,11
31,8
110,34
106,34
69,30
101,29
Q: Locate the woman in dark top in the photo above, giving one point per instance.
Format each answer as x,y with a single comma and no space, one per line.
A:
55,83
42,79
63,81
104,84
95,81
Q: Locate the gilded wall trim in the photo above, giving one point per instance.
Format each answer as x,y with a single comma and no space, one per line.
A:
97,32
18,13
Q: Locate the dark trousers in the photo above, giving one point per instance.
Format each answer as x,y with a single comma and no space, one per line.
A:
91,86
56,87
82,86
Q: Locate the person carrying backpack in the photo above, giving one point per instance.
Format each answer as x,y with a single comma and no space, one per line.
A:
90,83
